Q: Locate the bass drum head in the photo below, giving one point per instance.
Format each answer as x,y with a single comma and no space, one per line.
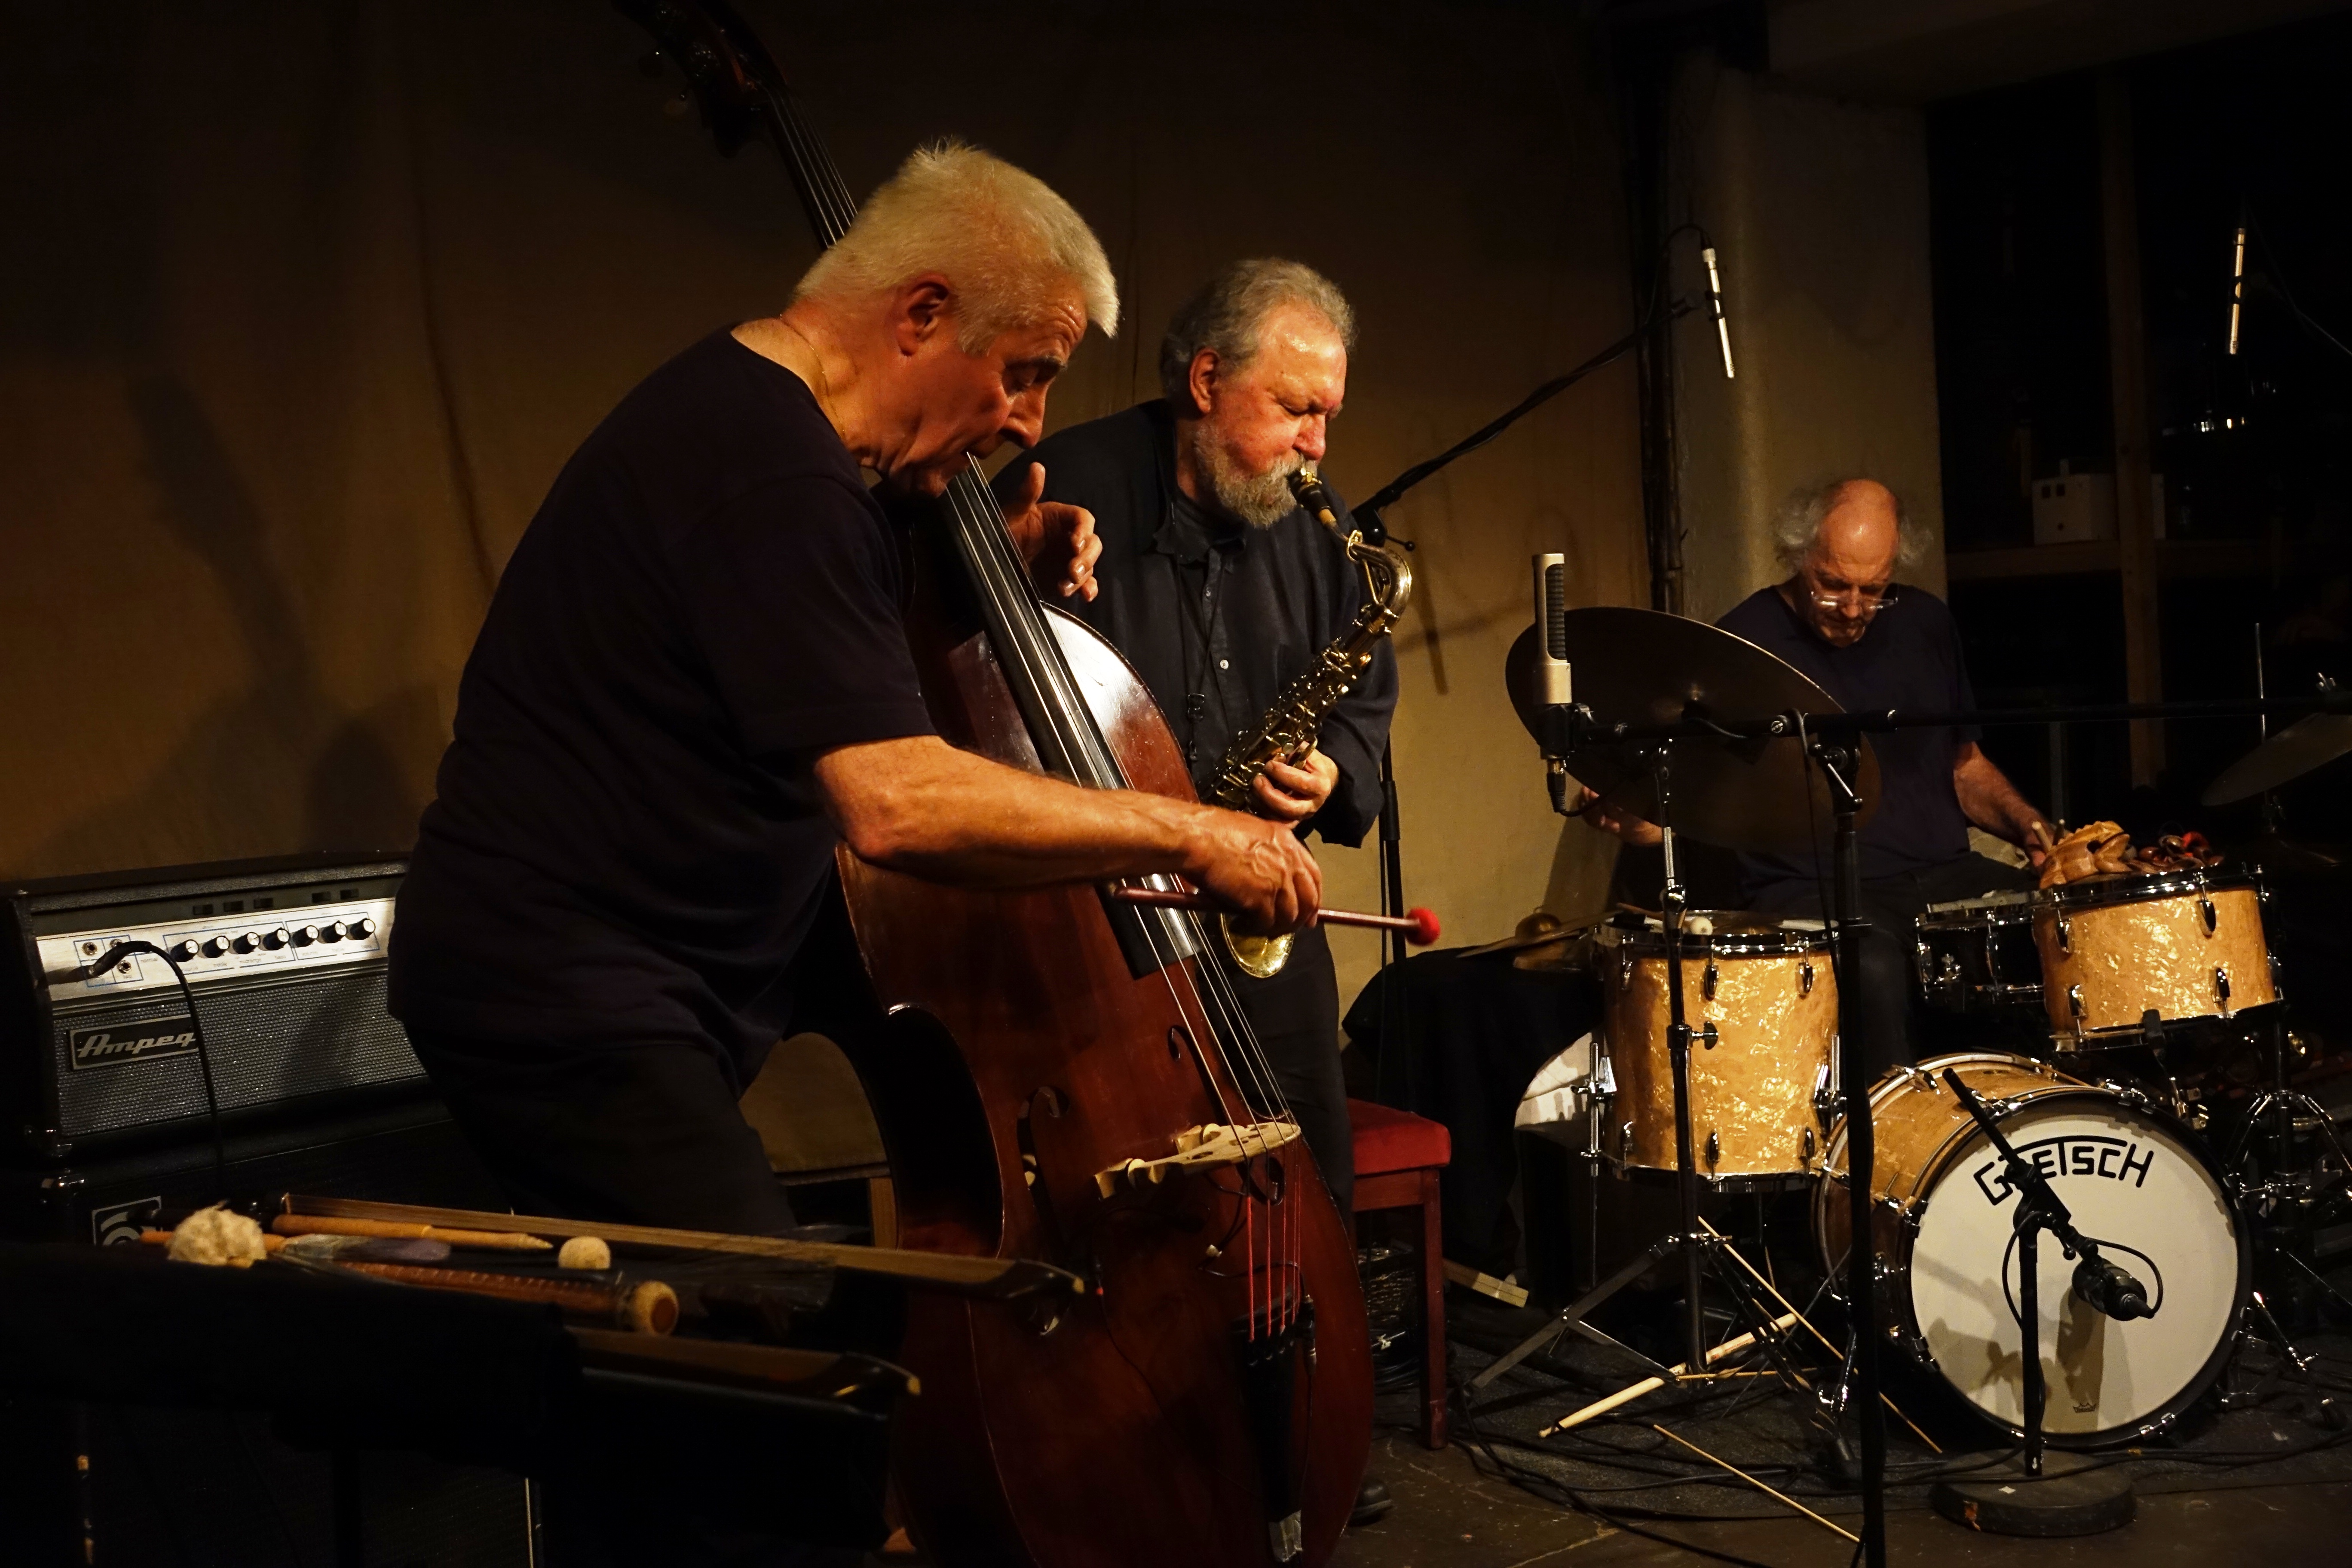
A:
2138,1188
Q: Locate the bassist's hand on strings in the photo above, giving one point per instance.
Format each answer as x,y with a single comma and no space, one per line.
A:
1056,539
1292,793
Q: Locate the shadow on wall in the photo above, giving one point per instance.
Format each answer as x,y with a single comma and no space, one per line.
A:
279,766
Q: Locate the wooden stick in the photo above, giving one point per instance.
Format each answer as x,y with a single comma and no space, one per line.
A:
399,1230
773,1366
1759,1485
1650,1384
997,1278
649,1306
1775,1294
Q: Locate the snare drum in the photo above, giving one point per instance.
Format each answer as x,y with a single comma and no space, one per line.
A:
1757,1087
2137,1182
2181,944
1978,955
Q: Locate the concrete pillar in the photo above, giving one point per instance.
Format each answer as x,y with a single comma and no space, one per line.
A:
1819,213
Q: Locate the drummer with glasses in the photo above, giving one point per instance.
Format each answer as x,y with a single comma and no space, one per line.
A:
1872,643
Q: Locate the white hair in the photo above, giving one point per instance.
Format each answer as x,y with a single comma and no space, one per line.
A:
1227,315
1001,237
1797,527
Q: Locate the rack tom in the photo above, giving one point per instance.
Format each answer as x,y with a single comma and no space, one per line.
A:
2175,944
1763,1000
1976,955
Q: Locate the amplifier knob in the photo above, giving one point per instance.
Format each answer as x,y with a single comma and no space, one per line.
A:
305,935
183,951
361,929
331,931
247,941
277,939
215,946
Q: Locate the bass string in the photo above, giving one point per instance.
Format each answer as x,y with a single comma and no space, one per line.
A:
990,546
1220,1013
832,211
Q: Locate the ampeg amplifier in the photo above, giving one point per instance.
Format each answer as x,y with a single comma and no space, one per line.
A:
284,960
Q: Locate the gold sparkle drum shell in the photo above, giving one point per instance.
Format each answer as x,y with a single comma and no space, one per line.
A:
1758,1092
2181,944
2135,1181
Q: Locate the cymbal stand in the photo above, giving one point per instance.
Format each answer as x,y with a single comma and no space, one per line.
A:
1698,1245
1836,752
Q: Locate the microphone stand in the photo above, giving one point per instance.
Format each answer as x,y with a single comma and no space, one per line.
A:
2070,1498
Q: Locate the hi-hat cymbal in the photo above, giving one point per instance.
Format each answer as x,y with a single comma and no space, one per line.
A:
1643,666
2302,746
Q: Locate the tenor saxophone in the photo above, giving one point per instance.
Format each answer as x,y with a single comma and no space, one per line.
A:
1289,729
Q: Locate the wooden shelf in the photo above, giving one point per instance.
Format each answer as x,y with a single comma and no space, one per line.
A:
2174,558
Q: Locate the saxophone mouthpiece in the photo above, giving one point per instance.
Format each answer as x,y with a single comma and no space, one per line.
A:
1307,486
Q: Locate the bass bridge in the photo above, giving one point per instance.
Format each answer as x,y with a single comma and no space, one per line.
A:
1202,1148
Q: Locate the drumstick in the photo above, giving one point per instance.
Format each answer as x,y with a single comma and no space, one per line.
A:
649,1306
1759,1485
1627,1395
1826,1345
401,1230
1420,926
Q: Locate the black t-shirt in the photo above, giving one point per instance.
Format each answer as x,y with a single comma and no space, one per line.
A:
629,844
1909,657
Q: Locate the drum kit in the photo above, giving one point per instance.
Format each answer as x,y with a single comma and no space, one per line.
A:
1717,1062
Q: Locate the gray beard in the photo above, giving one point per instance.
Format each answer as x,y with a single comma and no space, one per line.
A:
1260,500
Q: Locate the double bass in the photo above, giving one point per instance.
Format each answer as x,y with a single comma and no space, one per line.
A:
1066,1075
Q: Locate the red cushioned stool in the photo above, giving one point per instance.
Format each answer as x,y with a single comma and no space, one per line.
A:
1398,1156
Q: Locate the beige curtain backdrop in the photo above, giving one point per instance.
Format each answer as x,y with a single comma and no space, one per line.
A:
303,305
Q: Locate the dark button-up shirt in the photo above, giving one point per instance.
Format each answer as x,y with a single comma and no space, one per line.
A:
1217,617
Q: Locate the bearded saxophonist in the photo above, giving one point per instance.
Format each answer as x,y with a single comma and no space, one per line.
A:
1221,589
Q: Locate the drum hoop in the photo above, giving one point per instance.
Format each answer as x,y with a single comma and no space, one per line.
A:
2197,1386
2101,892
1648,943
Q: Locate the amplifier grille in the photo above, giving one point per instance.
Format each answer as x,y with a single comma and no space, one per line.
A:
268,1044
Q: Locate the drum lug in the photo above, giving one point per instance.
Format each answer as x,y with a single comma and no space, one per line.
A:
2213,916
1808,1144
1624,966
2065,936
2221,987
1707,980
2074,1005
1804,977
1706,1035
1714,1149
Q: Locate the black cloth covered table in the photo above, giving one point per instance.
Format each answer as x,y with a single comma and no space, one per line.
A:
469,1379
1456,1040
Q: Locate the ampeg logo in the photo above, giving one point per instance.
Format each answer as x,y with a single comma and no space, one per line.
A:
114,1044
120,1225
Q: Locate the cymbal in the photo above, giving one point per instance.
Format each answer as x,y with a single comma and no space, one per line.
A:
2302,746
1643,666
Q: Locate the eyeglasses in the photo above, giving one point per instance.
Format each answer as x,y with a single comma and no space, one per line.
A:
1865,602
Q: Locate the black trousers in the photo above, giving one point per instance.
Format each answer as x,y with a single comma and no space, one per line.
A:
1296,1017
1886,991
644,1134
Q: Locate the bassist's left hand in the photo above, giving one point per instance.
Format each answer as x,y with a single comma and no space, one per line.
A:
1289,793
1056,539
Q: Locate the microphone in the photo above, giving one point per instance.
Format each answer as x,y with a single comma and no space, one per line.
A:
2237,284
1723,325
1554,682
2105,1286
1555,679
